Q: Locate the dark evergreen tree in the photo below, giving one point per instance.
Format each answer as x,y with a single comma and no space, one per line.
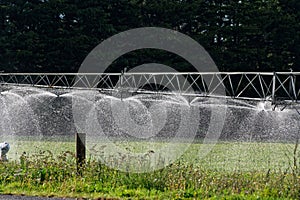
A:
240,35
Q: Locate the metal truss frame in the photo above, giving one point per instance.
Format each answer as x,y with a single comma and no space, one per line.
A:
277,87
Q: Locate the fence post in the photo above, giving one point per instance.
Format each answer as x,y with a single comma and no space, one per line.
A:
80,150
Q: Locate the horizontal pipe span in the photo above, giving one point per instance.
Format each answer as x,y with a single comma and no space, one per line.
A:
150,73
246,85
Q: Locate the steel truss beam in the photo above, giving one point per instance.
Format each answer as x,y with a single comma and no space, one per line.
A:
276,87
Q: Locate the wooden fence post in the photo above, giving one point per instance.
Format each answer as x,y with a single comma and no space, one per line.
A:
80,150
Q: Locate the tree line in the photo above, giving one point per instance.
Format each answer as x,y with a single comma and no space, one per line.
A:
240,35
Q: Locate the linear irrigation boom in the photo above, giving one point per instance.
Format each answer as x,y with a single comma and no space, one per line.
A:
277,87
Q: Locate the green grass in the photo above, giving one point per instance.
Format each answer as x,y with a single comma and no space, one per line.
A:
231,170
224,156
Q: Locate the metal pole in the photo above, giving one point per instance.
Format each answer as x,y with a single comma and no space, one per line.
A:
121,84
80,139
274,88
292,89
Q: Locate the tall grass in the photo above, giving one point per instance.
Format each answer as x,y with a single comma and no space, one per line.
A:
46,173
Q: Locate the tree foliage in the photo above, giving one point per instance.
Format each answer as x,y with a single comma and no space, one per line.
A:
240,35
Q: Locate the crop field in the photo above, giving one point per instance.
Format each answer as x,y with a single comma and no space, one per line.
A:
231,170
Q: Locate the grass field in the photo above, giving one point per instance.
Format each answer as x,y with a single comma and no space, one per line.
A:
231,170
224,156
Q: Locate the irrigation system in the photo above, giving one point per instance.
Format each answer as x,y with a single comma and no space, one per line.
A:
282,88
